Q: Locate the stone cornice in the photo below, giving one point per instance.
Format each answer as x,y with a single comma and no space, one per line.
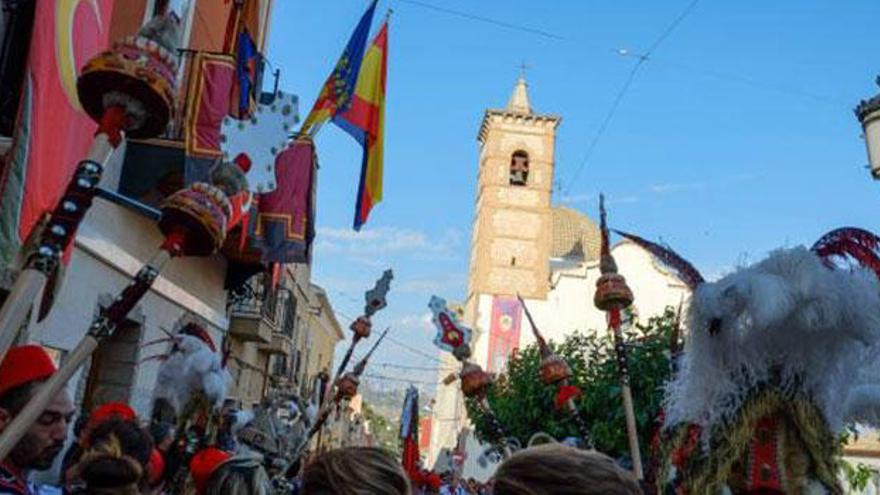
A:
516,118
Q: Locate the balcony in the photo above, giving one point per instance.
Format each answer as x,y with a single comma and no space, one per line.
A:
254,312
279,344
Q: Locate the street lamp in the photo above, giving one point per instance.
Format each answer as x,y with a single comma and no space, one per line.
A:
868,113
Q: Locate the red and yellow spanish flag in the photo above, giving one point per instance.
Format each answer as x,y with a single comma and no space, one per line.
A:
365,121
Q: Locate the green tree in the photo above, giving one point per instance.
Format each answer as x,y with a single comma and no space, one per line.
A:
524,405
384,430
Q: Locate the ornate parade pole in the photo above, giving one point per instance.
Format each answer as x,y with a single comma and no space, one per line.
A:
613,296
127,90
555,371
455,338
194,224
346,389
375,300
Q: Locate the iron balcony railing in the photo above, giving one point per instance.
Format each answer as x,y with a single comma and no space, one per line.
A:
256,298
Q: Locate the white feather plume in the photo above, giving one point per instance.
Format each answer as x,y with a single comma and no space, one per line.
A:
788,318
191,368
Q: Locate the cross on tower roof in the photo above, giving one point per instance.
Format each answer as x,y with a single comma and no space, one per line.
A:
519,100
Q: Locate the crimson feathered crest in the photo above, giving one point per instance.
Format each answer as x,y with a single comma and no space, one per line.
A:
849,243
682,267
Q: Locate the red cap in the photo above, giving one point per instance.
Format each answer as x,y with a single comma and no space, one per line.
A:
204,463
112,410
155,468
24,364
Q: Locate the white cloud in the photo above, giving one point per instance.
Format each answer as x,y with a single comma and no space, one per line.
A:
420,321
371,245
676,187
578,198
440,285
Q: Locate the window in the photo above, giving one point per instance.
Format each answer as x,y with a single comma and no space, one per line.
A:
519,168
16,23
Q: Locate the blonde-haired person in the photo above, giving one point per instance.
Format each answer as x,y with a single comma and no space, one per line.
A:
555,469
355,471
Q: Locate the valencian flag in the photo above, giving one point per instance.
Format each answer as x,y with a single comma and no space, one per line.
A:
52,131
365,121
337,92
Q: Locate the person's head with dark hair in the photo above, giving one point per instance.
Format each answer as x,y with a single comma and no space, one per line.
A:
555,469
22,371
355,471
116,458
240,475
162,434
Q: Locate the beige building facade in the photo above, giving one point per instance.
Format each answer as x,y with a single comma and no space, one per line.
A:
523,244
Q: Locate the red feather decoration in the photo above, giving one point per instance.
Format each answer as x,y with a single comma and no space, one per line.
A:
849,243
683,268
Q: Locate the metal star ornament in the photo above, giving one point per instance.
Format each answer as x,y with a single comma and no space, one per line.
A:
253,144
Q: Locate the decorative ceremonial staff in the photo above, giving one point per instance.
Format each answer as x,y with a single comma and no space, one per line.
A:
555,371
126,90
194,224
456,338
613,296
375,300
346,389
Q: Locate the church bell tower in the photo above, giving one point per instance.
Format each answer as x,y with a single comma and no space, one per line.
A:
510,249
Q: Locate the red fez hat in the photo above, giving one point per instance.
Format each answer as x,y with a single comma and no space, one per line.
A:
155,468
24,364
112,410
204,463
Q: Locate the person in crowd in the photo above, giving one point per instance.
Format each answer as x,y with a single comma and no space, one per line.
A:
163,435
355,471
555,469
22,370
239,475
453,486
203,465
116,459
86,423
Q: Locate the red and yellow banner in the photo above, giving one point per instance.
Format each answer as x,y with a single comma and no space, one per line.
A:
52,133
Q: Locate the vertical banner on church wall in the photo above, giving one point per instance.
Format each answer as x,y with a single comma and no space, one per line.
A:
503,331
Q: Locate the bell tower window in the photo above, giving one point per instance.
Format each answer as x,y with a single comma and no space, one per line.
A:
519,168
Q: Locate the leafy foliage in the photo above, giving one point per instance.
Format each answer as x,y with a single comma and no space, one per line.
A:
524,405
385,430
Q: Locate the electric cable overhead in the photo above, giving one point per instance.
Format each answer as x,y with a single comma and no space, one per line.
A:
487,20
641,59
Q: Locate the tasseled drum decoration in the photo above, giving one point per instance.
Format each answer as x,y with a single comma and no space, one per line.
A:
474,381
361,327
554,370
612,292
198,214
137,74
347,387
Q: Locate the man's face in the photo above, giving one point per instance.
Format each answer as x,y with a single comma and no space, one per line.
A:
42,443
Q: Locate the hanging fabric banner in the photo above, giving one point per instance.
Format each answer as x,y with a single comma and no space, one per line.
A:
52,132
210,85
503,331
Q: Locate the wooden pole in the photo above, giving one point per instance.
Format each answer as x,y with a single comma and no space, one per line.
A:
33,279
103,326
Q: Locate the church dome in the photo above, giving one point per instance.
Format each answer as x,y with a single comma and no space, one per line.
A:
574,235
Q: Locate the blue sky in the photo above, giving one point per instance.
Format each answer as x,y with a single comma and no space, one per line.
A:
736,136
